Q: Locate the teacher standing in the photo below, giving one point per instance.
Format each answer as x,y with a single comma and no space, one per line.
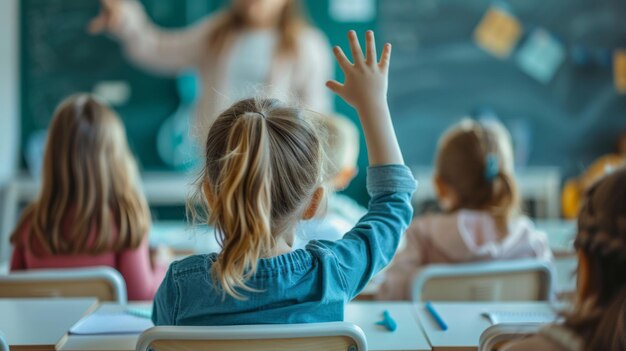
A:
251,47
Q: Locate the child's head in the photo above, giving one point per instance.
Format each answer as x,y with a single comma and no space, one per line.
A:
284,16
88,184
261,12
474,169
600,310
342,149
263,173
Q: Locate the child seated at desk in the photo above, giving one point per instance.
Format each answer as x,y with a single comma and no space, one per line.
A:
263,172
598,319
342,212
476,189
90,211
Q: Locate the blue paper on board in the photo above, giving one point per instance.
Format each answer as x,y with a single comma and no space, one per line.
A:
541,55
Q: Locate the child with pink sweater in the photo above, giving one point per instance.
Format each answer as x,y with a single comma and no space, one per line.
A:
90,211
481,220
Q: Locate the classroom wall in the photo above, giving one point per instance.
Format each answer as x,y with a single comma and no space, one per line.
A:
9,102
8,89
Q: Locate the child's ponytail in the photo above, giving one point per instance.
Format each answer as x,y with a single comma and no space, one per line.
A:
475,159
244,208
504,198
263,164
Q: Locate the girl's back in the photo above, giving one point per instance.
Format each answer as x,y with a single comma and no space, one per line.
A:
90,210
263,172
480,220
469,235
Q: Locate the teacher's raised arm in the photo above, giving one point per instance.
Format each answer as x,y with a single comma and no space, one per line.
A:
249,48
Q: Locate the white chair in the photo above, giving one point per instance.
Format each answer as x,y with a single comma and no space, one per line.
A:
495,336
105,283
335,336
4,345
514,280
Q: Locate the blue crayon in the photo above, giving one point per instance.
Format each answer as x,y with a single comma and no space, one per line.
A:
388,322
436,316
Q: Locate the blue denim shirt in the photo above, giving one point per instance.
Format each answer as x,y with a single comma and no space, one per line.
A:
303,286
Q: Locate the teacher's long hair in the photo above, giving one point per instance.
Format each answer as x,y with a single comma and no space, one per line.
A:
290,23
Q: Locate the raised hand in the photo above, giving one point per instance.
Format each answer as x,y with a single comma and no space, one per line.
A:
365,88
109,16
365,83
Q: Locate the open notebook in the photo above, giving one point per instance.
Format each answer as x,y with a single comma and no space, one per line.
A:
112,323
520,317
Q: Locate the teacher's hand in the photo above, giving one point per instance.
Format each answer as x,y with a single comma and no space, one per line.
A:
109,16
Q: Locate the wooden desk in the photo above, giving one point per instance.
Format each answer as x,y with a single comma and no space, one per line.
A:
465,323
41,324
408,336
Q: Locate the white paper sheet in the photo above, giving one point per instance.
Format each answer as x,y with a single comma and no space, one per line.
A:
111,323
520,317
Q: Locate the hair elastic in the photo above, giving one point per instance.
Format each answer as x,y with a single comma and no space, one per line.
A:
492,167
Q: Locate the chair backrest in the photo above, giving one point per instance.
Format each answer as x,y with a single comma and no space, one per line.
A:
104,283
4,345
514,280
334,336
494,337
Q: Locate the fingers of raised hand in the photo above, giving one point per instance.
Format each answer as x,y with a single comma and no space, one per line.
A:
335,86
355,48
109,5
370,48
98,24
342,60
385,57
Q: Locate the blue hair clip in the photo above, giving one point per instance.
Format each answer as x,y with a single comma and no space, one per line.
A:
492,167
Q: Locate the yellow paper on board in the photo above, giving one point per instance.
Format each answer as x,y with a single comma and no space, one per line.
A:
498,33
619,70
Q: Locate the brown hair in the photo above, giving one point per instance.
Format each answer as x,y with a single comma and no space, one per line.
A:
88,180
263,162
599,317
231,20
463,163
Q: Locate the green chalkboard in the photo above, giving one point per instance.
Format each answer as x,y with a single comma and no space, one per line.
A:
59,58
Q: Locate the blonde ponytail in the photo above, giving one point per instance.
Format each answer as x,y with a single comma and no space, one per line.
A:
244,212
263,163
